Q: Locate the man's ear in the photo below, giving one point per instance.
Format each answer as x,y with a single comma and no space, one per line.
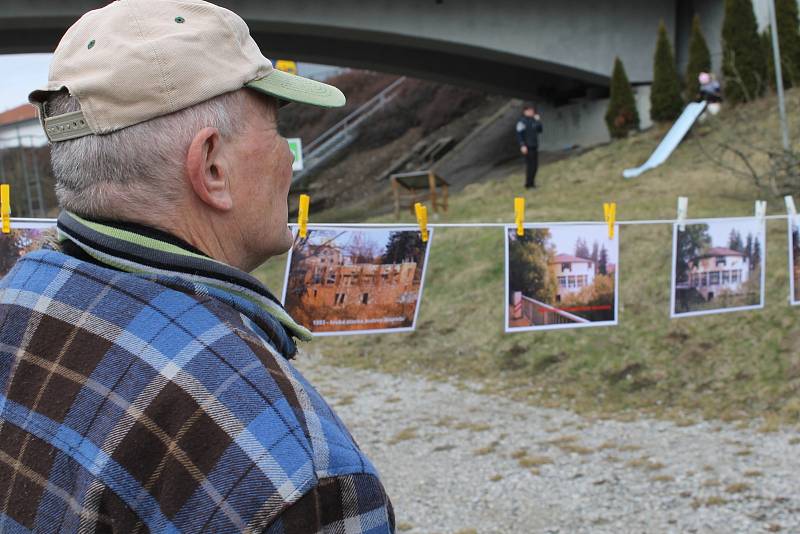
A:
207,174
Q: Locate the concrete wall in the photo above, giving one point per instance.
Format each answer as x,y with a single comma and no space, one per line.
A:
583,122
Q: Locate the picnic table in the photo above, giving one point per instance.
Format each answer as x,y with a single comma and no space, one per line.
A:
419,186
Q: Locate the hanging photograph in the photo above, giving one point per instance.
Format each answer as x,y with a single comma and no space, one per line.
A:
356,281
718,266
561,276
24,237
794,260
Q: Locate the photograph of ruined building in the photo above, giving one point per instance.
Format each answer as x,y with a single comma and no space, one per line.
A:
561,277
354,281
19,242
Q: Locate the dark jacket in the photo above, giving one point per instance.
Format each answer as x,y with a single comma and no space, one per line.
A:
528,130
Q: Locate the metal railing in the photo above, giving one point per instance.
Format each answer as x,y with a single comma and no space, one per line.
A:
539,313
344,132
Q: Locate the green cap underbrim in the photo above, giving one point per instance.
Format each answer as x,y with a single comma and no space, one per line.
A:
295,88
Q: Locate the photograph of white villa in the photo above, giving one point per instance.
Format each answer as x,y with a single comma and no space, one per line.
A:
718,266
560,276
355,281
794,259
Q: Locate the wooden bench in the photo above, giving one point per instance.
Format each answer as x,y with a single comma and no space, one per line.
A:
419,186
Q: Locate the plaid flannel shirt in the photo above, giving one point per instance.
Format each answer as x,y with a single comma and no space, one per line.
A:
146,388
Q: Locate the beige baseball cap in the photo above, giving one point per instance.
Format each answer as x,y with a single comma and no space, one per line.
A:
134,60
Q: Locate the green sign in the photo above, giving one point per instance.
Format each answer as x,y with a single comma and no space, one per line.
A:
296,146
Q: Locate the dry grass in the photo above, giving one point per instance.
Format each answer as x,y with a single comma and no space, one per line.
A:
574,448
753,473
645,464
710,501
607,445
562,440
794,441
534,461
519,453
663,478
345,400
472,427
404,526
743,452
496,478
406,434
711,483
738,487
488,449
771,423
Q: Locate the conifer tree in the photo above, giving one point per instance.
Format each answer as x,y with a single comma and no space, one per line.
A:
621,116
789,39
665,95
743,62
699,58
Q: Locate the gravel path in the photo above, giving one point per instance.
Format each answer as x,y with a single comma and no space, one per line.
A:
457,461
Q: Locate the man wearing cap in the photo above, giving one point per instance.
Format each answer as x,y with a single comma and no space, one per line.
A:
145,382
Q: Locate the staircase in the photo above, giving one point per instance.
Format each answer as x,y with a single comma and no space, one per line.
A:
343,133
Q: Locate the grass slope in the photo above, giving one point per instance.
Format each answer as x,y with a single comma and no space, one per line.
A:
731,365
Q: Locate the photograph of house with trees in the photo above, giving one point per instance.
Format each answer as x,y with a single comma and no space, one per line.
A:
20,241
347,281
562,276
718,266
794,259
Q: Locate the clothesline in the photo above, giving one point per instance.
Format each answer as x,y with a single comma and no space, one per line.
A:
511,223
484,224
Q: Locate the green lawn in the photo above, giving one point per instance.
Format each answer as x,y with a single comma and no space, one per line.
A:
733,365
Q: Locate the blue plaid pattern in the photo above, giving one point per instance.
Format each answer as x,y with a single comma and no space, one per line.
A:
140,402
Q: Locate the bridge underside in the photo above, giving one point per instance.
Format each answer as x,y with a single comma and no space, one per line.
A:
484,69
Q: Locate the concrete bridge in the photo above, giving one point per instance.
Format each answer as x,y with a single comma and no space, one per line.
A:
550,51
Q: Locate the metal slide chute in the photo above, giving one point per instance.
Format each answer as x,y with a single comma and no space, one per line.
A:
671,140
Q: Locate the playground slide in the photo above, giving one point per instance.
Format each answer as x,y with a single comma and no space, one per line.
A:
671,140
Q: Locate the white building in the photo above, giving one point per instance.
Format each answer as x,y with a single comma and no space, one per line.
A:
573,273
20,126
718,269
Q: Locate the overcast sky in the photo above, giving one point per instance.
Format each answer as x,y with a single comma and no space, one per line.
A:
565,237
22,73
720,230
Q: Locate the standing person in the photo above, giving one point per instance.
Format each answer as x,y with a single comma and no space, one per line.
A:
145,377
528,128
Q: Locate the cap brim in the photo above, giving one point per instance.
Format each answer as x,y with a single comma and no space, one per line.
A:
295,88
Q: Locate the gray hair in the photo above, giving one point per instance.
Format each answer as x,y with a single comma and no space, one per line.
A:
117,174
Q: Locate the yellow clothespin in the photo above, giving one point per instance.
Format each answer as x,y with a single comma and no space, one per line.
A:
5,207
302,215
422,219
519,214
610,210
